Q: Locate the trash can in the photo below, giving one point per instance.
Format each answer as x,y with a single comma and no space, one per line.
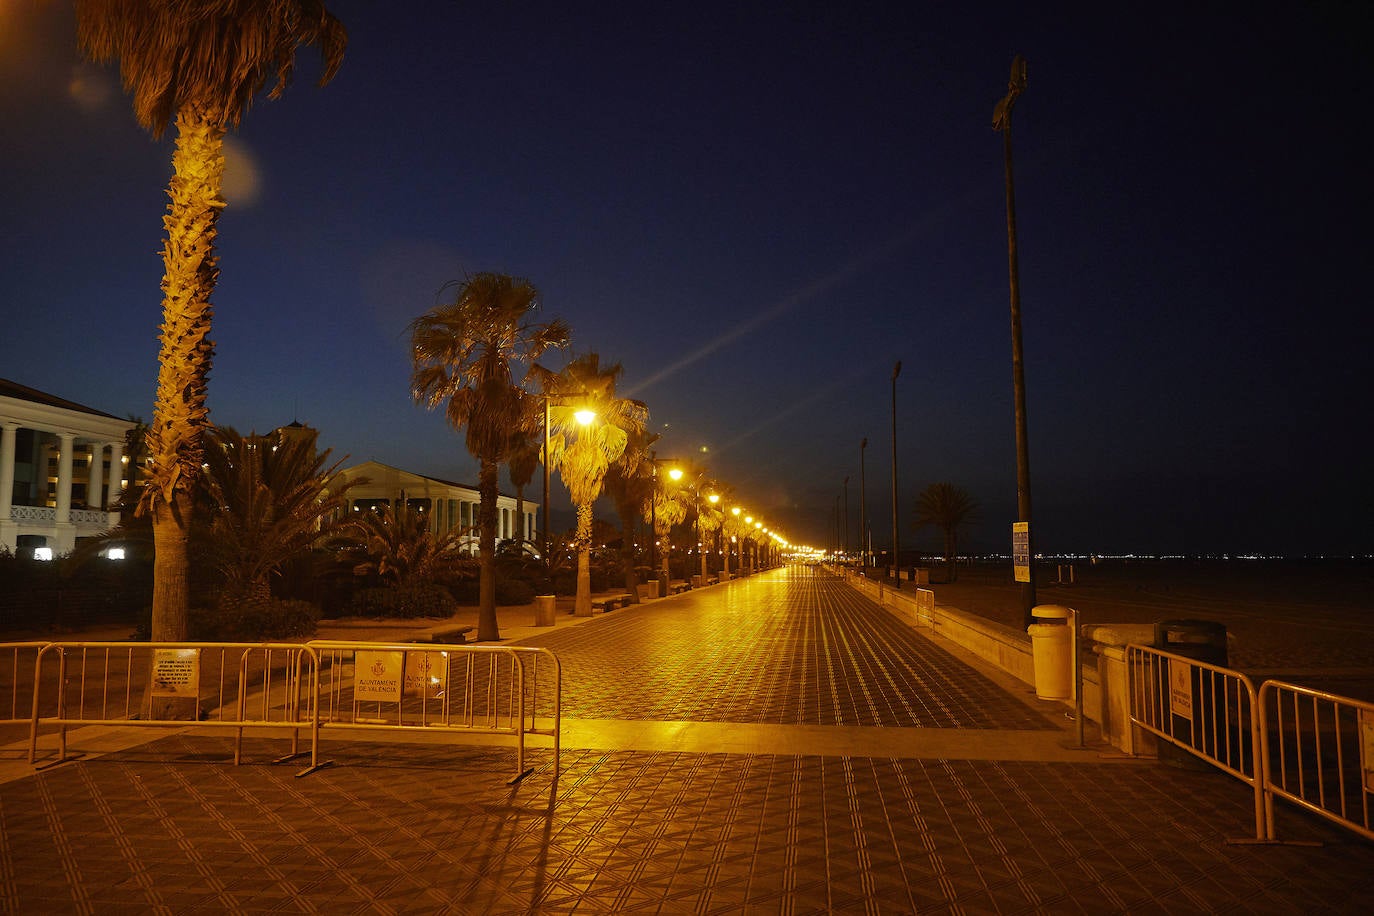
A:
545,610
1052,651
1190,700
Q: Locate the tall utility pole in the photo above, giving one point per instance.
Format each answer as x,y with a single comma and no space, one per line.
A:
863,507
896,535
1001,121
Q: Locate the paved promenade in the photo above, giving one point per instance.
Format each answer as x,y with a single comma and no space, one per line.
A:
771,745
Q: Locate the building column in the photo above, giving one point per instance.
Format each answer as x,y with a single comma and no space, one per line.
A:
116,488
95,477
66,531
8,530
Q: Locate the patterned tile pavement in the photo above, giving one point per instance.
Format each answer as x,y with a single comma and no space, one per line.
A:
171,826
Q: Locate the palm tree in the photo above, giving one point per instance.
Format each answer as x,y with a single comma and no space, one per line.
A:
271,499
401,548
630,481
526,448
463,354
948,508
198,66
583,453
669,508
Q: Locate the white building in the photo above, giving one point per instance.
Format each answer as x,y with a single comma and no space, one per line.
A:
449,505
62,466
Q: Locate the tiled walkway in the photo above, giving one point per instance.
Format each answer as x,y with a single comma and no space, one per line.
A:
172,826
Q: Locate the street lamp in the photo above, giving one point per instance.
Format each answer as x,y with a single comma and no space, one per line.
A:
1001,121
896,535
584,416
863,507
674,473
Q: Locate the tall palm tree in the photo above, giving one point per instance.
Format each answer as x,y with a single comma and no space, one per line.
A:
949,508
669,508
463,355
526,448
197,65
584,453
271,499
630,481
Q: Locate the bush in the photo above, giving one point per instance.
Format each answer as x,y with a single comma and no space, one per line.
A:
253,620
421,600
514,591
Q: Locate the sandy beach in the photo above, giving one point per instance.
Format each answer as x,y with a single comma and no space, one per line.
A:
1308,619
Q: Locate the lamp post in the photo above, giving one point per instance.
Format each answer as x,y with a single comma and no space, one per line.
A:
1001,121
584,416
863,504
846,519
675,474
896,535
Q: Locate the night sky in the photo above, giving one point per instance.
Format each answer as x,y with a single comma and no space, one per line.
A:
757,209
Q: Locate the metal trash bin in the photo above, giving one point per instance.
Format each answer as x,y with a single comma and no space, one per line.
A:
1051,652
545,610
1203,641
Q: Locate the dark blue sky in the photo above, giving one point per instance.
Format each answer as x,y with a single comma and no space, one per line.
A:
757,209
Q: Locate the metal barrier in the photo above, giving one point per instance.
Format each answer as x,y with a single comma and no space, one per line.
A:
16,680
499,690
1209,711
925,607
1319,753
176,685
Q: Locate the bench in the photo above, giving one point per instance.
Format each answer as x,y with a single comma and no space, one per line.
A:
677,586
610,602
454,636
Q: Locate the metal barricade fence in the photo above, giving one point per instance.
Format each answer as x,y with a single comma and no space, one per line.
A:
1209,711
176,685
499,690
925,607
1319,753
16,680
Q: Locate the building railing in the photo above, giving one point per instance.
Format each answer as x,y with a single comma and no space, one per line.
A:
296,689
45,515
41,514
1320,753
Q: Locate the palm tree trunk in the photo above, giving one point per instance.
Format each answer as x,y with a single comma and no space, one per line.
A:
582,607
179,411
487,479
627,558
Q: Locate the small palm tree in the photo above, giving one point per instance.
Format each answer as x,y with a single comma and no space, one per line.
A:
949,508
668,508
401,549
271,499
464,354
630,481
584,452
198,65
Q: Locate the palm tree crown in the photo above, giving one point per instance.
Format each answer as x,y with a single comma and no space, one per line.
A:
949,508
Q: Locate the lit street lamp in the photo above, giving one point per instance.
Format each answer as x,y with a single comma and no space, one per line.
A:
584,416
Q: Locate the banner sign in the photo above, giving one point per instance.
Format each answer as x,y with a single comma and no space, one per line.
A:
176,673
1367,748
1181,688
1020,550
426,674
377,676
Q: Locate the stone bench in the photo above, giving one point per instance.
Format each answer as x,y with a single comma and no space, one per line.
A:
454,636
610,602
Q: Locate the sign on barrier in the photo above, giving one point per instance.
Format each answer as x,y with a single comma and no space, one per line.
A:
1180,689
377,676
176,673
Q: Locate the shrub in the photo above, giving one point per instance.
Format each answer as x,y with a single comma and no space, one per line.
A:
421,600
514,591
253,620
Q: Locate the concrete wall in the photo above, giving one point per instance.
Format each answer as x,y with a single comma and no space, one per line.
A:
1010,650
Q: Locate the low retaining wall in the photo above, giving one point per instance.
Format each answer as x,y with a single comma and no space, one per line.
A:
1010,651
